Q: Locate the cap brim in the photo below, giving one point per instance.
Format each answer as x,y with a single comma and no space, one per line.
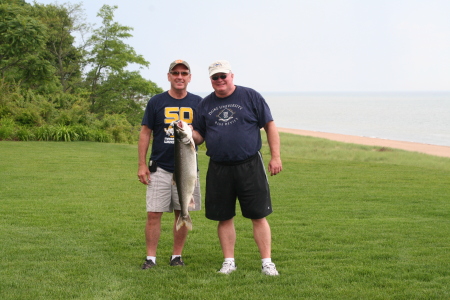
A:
219,71
181,63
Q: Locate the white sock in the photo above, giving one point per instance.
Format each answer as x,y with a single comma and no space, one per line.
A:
173,256
152,258
230,259
266,260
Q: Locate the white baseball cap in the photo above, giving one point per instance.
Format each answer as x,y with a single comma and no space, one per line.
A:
220,66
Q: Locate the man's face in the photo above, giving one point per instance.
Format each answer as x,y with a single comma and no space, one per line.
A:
222,84
179,77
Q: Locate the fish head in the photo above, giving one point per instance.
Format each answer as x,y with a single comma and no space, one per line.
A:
182,130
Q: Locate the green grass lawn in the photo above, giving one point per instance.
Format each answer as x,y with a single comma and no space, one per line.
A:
349,222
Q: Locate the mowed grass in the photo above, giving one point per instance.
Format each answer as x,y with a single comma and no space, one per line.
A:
349,222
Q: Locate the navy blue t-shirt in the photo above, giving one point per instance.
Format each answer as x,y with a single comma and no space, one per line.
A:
231,126
160,112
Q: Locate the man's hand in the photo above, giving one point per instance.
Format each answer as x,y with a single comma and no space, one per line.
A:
275,166
144,174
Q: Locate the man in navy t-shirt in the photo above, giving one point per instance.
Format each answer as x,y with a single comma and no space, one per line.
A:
229,120
162,109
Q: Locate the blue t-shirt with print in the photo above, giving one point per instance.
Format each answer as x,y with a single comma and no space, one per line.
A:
161,111
231,125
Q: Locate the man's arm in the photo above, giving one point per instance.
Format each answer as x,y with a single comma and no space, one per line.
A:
197,137
144,140
273,138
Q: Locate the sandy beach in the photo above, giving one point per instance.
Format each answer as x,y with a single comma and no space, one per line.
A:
443,151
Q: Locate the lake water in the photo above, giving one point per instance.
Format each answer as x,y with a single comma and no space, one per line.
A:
413,117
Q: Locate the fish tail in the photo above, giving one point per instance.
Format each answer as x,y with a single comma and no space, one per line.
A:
186,221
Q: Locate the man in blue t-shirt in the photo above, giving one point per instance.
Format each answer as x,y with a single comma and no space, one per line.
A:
229,120
162,109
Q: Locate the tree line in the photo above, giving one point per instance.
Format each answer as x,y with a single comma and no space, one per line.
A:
54,86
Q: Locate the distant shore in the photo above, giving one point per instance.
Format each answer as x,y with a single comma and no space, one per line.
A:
436,150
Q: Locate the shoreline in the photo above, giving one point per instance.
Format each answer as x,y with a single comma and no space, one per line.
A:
443,151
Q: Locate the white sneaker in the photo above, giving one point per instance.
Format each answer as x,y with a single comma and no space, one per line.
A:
227,267
269,269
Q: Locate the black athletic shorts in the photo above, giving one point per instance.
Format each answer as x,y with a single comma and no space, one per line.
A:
246,181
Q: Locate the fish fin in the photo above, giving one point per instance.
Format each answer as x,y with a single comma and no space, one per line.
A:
192,203
186,221
192,143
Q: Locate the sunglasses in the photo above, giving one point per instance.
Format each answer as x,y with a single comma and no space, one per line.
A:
216,77
176,73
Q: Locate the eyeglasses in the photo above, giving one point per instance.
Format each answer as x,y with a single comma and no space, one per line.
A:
216,77
176,73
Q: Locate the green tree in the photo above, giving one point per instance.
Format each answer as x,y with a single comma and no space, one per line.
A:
62,21
50,87
22,45
113,88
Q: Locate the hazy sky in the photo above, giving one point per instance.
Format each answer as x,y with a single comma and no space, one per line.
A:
293,45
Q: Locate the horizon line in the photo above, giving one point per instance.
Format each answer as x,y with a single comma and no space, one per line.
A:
342,92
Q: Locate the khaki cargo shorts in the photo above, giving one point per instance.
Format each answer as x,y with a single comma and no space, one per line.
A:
162,195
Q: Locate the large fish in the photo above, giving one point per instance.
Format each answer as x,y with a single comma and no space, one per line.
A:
185,175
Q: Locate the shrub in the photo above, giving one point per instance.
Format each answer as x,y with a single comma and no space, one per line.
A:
118,135
7,127
83,132
47,112
65,133
28,116
44,133
24,134
63,119
101,136
118,127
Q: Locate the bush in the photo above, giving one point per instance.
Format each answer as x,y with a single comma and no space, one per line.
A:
44,133
84,133
118,127
71,133
24,134
28,116
65,133
47,112
63,118
101,136
7,127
